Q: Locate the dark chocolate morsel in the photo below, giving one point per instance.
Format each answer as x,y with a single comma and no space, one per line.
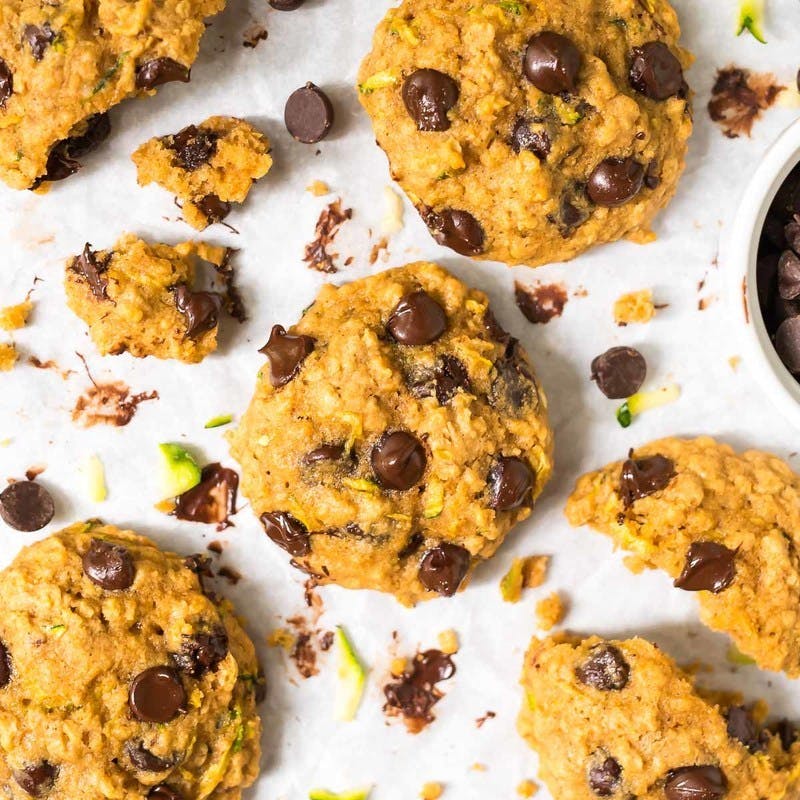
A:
26,506
710,567
201,310
157,695
524,137
309,114
604,777
605,669
743,728
109,565
214,209
213,500
456,229
398,460
451,376
92,269
615,181
324,453
641,477
6,83
163,792
788,734
287,532
655,71
159,71
38,38
202,652
619,372
428,95
62,160
552,63
417,319
696,783
193,146
37,780
443,568
787,343
510,482
5,666
286,5
142,759
286,354
789,275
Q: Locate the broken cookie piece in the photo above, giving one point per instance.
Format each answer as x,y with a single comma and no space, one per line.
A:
143,298
208,166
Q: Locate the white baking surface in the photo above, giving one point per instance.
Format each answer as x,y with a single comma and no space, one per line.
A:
323,42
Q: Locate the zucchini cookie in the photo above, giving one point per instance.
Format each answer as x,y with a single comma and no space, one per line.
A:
621,719
119,677
207,166
140,298
64,64
527,132
396,435
723,525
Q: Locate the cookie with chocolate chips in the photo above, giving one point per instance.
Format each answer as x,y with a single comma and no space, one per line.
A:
722,525
63,65
635,725
119,676
529,132
144,299
396,435
207,167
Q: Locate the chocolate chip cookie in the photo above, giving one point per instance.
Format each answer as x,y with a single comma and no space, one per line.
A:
527,133
620,719
141,298
208,166
723,525
119,676
63,65
396,435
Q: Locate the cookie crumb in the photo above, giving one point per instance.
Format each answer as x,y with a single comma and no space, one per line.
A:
478,767
330,221
431,791
254,34
8,357
318,188
634,308
13,318
524,573
448,642
734,362
550,611
527,788
541,302
281,637
481,721
534,572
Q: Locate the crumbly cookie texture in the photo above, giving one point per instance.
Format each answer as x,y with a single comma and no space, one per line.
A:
119,674
139,298
528,132
64,65
207,166
620,719
724,525
396,435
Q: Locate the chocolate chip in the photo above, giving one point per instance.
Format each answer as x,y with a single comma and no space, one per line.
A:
287,532
443,568
38,38
398,460
109,565
572,212
619,372
787,733
157,695
325,453
497,333
791,234
605,670
451,376
62,160
412,546
696,783
456,229
26,506
641,477
286,5
789,275
510,483
787,344
142,759
743,728
201,310
524,137
37,780
615,181
286,353
214,209
417,319
193,146
92,269
415,694
710,567
552,63
428,95
6,83
514,386
164,792
202,652
541,302
308,114
213,500
159,71
5,666
604,777
655,71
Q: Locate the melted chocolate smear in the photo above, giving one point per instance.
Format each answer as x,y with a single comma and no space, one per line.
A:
213,500
415,693
317,254
202,652
709,567
109,404
193,147
739,97
142,759
92,269
541,302
200,309
641,477
286,354
159,71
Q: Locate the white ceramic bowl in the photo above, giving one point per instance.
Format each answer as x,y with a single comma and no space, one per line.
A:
739,255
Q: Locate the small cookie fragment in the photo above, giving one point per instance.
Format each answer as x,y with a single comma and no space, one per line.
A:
723,525
8,356
207,166
140,298
431,791
634,308
550,611
13,318
655,735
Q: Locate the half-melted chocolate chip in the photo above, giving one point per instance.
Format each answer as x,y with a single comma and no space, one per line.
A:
63,158
641,477
417,319
157,695
604,776
193,147
415,693
142,759
164,792
456,229
37,780
92,269
5,666
605,669
286,353
38,38
214,209
159,71
525,136
325,454
709,567
6,83
704,782
450,377
655,71
109,566
743,728
213,500
510,483
202,652
443,568
201,310
287,532
552,63
428,95
398,460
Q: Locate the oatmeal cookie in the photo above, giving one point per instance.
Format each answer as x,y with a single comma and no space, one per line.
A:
723,525
119,675
528,132
396,435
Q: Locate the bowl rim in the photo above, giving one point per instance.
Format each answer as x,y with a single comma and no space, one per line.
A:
739,255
